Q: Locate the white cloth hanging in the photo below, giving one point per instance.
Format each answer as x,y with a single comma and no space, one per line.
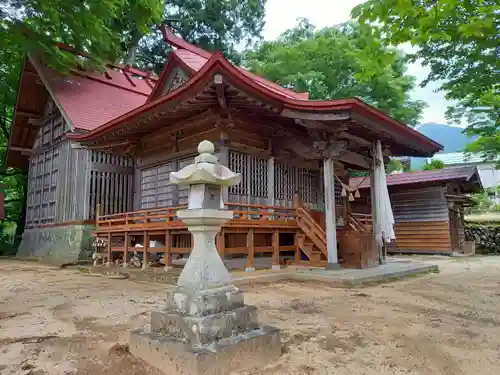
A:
385,225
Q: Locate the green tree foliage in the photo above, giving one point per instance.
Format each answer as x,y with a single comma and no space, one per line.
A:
339,62
459,41
99,28
486,201
108,31
126,30
433,165
211,24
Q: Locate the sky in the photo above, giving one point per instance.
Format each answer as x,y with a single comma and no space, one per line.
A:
282,15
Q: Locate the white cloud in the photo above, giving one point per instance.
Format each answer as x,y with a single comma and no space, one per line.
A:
282,15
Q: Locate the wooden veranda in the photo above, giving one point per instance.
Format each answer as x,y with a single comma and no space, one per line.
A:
286,235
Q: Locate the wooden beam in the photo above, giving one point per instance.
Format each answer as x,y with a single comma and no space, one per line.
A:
315,116
219,91
305,151
181,125
21,149
28,114
362,142
35,122
354,158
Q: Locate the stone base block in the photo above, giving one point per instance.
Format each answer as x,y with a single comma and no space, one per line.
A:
255,348
58,245
203,330
204,302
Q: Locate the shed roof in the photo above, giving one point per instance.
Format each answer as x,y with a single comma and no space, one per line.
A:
465,174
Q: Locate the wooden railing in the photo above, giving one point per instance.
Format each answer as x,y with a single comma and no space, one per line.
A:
312,229
360,222
167,217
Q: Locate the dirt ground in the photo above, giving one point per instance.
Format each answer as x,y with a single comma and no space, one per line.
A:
63,322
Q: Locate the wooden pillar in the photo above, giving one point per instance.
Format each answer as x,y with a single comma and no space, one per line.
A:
276,250
330,218
125,250
221,243
224,160
373,197
250,267
296,244
270,181
168,248
110,253
145,254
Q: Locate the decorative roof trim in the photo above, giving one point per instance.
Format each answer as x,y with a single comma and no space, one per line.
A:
219,64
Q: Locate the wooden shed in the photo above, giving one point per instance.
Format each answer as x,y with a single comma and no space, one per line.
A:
428,208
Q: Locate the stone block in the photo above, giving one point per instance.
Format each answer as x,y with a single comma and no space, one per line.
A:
204,302
255,348
58,245
204,330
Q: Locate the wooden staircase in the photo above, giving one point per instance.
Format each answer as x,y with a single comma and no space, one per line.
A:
311,239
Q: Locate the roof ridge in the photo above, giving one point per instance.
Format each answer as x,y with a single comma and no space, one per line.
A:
180,43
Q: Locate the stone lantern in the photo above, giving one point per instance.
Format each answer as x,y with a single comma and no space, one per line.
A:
205,328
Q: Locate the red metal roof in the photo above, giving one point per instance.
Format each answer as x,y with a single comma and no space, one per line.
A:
195,58
217,63
91,99
461,173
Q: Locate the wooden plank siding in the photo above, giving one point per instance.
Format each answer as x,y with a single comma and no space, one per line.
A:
72,201
427,236
110,183
45,174
422,220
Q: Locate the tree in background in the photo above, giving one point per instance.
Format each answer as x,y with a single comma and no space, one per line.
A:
459,41
433,165
109,31
122,30
212,25
339,62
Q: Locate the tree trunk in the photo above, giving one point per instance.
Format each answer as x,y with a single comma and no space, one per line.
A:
132,49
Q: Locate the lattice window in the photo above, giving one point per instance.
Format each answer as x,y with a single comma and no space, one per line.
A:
42,186
112,190
291,179
339,199
183,191
156,189
253,185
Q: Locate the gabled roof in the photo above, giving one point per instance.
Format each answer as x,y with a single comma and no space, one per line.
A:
276,99
86,100
463,174
193,58
91,99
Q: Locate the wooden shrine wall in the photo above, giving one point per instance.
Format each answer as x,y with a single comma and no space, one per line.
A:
44,170
253,188
422,220
153,188
111,183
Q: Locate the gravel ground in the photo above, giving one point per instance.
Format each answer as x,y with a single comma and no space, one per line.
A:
63,322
